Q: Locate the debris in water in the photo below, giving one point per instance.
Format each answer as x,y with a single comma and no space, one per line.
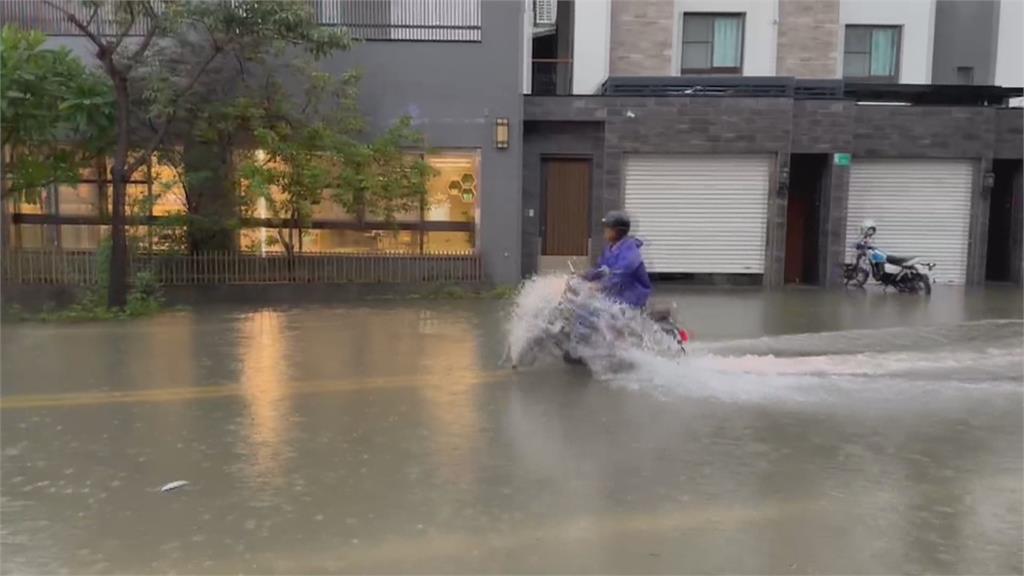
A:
174,485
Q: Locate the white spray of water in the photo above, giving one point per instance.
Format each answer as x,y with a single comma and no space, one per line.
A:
613,330
780,368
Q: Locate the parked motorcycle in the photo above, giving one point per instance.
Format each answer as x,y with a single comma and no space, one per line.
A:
904,273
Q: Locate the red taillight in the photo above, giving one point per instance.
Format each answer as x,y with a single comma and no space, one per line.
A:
684,335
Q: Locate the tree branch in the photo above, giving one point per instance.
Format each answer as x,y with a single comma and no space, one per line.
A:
141,49
158,138
125,31
95,12
81,26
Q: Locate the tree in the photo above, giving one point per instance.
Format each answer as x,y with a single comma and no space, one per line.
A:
125,36
57,116
315,151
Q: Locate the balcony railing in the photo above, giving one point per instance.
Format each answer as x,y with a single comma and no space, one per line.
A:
48,18
409,20
417,20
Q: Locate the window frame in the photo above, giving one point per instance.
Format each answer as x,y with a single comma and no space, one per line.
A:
895,77
712,70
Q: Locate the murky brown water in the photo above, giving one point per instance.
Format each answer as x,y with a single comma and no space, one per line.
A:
385,438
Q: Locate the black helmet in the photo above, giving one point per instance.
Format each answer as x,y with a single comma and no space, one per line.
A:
618,220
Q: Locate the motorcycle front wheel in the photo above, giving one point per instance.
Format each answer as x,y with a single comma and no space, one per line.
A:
923,284
860,277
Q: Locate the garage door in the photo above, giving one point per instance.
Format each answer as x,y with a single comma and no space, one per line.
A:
700,214
921,207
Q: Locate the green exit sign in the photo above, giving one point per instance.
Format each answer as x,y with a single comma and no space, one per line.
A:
841,159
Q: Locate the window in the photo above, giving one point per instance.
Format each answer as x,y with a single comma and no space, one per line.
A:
712,43
872,53
446,223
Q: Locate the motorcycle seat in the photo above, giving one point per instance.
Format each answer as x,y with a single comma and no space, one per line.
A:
901,260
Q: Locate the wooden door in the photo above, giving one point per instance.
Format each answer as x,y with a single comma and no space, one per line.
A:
566,207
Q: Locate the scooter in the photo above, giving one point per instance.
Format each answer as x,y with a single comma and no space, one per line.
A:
906,274
585,326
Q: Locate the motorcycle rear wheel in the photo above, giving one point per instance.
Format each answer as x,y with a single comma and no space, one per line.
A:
860,277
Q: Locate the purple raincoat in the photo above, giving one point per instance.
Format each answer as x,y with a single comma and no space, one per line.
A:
622,273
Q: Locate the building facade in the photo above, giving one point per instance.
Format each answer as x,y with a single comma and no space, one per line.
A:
896,41
452,66
749,139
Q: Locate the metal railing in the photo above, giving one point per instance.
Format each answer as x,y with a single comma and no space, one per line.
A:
412,20
81,268
723,86
48,18
416,20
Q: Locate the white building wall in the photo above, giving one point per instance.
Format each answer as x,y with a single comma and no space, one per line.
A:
527,61
917,17
759,31
591,44
1010,47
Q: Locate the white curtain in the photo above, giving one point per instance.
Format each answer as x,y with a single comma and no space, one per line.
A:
728,32
883,52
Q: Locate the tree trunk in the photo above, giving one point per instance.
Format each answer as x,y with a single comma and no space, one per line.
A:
5,216
209,170
117,288
102,188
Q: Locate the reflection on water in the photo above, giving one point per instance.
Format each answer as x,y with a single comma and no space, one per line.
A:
264,378
450,396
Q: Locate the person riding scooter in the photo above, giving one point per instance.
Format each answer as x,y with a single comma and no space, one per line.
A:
621,273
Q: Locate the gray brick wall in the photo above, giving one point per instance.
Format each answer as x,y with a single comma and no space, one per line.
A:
641,37
1009,131
822,126
808,38
923,131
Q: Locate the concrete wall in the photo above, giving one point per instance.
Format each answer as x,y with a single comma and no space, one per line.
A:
808,38
591,45
1010,45
917,18
454,92
966,33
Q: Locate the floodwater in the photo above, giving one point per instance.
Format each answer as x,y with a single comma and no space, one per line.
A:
808,432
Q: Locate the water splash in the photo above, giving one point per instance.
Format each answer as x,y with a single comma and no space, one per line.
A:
931,363
612,331
838,366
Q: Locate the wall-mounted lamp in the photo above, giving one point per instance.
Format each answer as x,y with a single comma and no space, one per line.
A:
501,133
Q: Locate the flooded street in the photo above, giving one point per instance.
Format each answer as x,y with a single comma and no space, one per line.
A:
807,432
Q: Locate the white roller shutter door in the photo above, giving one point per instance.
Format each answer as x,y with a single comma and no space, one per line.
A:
921,207
699,214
